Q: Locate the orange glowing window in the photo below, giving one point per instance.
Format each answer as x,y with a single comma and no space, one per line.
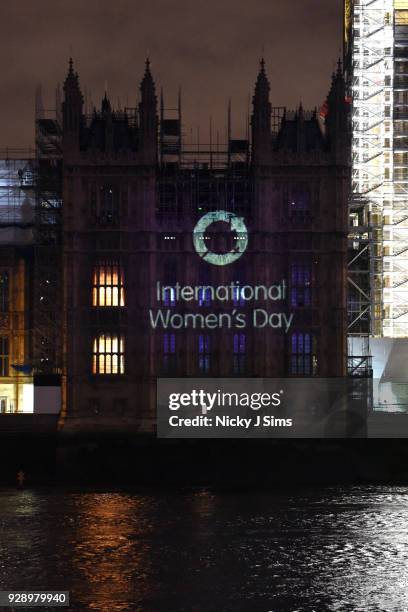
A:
108,285
108,354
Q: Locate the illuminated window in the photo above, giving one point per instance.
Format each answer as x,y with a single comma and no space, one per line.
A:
303,354
239,346
4,356
108,285
204,353
108,354
4,292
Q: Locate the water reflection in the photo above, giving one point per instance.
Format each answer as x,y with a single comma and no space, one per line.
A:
110,550
340,549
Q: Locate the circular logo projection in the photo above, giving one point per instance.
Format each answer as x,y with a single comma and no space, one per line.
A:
236,224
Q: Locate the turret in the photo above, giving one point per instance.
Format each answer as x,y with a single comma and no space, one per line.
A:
261,119
106,113
337,114
73,101
106,107
148,120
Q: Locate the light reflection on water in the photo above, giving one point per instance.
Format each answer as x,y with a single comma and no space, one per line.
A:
336,549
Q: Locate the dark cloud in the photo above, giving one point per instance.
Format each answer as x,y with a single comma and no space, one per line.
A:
209,47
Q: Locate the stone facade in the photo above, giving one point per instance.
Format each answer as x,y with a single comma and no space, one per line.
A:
128,221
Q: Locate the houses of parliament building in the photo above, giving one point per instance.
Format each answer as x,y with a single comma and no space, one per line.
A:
106,282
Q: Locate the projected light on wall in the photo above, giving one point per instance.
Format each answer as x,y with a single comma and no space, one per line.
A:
236,224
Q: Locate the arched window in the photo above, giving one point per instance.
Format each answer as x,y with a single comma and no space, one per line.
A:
300,284
204,353
108,288
108,354
303,357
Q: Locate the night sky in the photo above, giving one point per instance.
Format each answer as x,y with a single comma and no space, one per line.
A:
209,47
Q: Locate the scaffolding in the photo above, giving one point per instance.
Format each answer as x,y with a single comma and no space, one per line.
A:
197,176
379,89
47,306
372,147
30,217
16,204
396,218
217,153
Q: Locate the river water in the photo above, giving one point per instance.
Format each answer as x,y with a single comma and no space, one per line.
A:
334,549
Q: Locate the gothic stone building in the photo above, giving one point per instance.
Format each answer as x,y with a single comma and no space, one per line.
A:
129,210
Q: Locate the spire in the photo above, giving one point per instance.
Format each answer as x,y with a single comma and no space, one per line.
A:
71,80
147,91
261,117
262,87
337,111
72,90
73,100
338,86
106,111
147,86
148,119
106,105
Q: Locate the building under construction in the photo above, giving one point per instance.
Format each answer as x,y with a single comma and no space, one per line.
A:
30,276
376,60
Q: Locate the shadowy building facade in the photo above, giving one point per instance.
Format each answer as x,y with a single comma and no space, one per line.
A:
133,192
